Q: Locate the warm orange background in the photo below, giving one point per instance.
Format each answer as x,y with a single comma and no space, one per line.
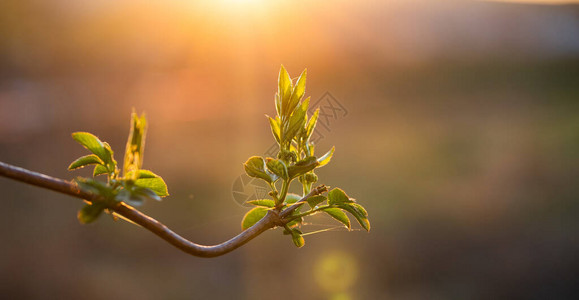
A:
461,139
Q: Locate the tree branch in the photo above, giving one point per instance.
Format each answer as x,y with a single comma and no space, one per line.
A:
273,218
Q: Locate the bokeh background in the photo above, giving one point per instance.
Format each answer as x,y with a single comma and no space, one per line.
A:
459,133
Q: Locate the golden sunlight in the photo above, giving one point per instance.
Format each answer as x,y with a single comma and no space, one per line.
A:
539,1
243,1
241,6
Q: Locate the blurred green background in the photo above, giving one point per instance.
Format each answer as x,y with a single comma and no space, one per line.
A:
461,139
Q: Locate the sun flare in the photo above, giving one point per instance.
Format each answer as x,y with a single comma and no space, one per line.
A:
247,5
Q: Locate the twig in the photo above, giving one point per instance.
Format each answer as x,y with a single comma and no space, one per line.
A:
272,218
315,191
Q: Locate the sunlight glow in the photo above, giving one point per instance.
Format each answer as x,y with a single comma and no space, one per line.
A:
547,2
253,2
241,5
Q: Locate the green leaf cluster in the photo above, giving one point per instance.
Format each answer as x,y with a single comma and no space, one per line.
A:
292,129
133,187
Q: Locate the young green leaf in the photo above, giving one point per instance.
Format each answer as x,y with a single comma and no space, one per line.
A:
112,164
99,170
275,128
298,91
303,166
295,222
297,237
136,195
339,215
147,174
277,167
142,174
291,198
315,200
363,220
310,149
85,161
130,198
297,121
156,184
359,207
253,216
95,186
338,196
93,144
147,193
263,202
325,159
135,144
90,212
278,104
311,125
284,91
255,167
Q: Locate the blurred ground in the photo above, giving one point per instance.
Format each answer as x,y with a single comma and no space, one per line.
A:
461,139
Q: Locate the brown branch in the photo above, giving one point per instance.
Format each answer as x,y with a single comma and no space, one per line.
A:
272,219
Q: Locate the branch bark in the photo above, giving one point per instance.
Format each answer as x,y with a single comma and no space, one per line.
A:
271,220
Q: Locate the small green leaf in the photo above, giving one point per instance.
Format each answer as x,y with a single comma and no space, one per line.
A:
303,166
337,196
311,125
90,212
315,200
310,149
295,222
141,174
112,164
284,91
325,159
147,174
135,144
297,237
85,161
156,184
297,121
147,193
298,91
253,216
291,198
277,167
99,170
365,223
136,195
95,186
363,220
339,215
130,198
255,167
359,207
92,143
263,202
275,128
278,104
